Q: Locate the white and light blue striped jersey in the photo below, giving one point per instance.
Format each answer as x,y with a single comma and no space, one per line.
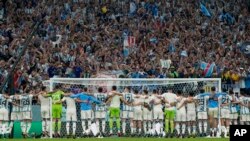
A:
243,109
15,99
225,99
26,102
102,98
202,104
233,106
129,97
4,102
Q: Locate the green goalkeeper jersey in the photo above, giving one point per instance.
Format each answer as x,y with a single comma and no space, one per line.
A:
56,97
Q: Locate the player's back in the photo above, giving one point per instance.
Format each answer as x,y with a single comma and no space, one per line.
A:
201,102
70,102
245,101
15,99
115,102
101,97
138,99
191,106
129,98
170,97
157,98
181,101
3,102
26,102
45,101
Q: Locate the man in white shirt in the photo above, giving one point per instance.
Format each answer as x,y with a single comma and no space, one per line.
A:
191,114
157,109
127,111
170,99
147,114
45,112
180,115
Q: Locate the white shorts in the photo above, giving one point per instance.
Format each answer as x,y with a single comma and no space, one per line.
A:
127,114
87,114
71,115
147,115
191,116
180,116
234,116
4,114
225,113
245,117
16,116
100,114
27,115
138,115
158,114
202,115
45,113
213,112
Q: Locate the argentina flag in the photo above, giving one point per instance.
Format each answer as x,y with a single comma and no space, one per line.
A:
207,68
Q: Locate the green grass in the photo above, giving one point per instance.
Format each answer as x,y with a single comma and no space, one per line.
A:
127,139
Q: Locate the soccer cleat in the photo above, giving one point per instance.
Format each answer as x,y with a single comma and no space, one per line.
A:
222,135
74,136
119,134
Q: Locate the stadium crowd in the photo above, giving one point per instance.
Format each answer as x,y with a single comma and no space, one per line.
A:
85,38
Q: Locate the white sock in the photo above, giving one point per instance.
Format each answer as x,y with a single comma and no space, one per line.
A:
149,125
48,125
98,125
183,128
67,128
43,125
194,129
103,125
200,126
23,126
89,123
161,127
205,126
177,127
10,126
145,126
189,129
1,130
123,127
227,129
83,125
139,130
74,128
28,127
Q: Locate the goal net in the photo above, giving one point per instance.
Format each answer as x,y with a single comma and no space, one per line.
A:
76,85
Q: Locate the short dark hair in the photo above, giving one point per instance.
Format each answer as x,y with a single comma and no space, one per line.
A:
114,88
213,89
145,91
136,91
179,92
191,93
154,91
57,87
128,88
231,91
85,89
43,88
202,90
100,89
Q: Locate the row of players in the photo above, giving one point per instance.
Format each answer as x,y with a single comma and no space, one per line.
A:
142,110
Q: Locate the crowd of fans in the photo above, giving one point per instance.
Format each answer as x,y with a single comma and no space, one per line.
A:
84,38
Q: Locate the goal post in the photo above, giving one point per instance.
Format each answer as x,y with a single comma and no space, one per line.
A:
186,85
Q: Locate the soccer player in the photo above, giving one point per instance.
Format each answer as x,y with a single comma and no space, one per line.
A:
70,115
4,114
15,114
127,111
244,110
86,100
26,107
56,109
100,110
201,101
147,114
137,103
191,114
213,112
180,115
157,109
45,111
224,100
115,99
170,99
233,108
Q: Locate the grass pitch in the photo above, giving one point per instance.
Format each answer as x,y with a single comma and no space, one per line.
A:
126,139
